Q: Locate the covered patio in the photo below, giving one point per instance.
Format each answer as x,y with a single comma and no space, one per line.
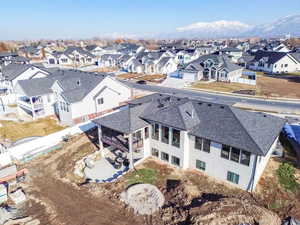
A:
122,137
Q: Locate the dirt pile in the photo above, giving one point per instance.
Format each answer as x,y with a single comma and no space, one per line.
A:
211,209
232,211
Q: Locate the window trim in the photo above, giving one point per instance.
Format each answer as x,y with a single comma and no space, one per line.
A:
166,154
231,177
172,160
201,162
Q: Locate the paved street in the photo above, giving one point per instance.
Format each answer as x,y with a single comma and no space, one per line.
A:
288,107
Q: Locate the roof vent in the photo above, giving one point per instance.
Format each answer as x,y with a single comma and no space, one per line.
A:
178,99
222,107
265,115
199,103
160,105
208,104
78,83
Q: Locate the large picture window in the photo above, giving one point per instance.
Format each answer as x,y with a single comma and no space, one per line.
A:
245,158
176,138
155,131
165,134
225,151
198,143
235,155
206,145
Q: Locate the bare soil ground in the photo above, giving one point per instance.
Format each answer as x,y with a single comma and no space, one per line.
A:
105,70
55,198
146,77
288,87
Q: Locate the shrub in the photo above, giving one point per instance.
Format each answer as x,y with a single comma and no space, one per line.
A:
286,177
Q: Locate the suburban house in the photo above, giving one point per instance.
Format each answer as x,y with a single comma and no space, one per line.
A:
13,72
166,65
274,62
35,97
95,50
281,48
71,56
32,52
71,95
229,144
233,53
213,67
108,60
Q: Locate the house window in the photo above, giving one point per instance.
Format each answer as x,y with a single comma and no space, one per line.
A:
64,60
206,145
155,152
233,177
176,138
225,151
67,107
100,101
155,131
198,143
245,158
200,165
235,155
146,132
175,161
286,65
164,156
165,134
202,144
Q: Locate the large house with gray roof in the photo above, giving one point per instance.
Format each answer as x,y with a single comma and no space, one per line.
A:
71,95
229,144
213,67
71,56
13,72
274,62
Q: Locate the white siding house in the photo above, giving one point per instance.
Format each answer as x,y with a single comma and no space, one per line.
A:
218,140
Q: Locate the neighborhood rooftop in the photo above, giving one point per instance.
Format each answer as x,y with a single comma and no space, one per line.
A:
253,132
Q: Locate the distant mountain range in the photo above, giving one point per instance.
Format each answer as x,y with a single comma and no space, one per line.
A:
227,29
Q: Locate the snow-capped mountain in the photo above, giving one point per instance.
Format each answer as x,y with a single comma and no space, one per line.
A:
223,29
283,26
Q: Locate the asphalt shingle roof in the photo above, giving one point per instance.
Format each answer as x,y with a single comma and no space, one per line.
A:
249,131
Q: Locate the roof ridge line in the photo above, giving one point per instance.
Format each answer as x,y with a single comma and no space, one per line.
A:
246,130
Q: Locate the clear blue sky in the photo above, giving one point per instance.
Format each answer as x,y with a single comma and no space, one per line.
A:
29,19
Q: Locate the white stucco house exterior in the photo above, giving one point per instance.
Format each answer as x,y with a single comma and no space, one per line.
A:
219,140
70,95
275,62
14,72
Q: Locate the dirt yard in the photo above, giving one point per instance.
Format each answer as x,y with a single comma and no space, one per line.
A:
15,130
288,87
55,197
105,70
146,77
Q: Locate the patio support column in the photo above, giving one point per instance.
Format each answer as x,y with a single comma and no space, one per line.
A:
100,141
130,151
32,108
